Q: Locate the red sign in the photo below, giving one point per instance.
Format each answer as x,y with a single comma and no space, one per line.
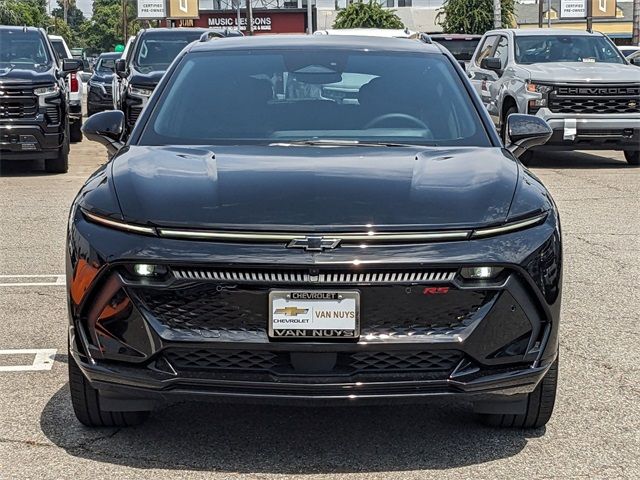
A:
264,21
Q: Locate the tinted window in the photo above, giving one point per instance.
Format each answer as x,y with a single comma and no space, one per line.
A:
321,94
106,65
567,48
58,47
156,50
23,50
461,49
486,49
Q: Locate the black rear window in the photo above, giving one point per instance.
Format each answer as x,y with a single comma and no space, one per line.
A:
461,49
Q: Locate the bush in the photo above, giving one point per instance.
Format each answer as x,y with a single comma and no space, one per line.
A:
367,15
473,16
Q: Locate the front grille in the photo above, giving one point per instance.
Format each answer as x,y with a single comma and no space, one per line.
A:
17,102
386,311
595,99
134,113
293,277
340,363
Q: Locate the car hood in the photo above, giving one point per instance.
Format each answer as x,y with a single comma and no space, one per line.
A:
314,188
151,78
102,77
582,72
11,75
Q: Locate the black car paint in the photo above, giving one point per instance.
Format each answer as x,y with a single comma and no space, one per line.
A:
242,187
49,136
98,99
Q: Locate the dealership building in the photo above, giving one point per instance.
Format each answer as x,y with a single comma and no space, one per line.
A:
289,16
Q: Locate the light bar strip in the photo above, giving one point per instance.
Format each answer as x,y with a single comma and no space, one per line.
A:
509,227
119,225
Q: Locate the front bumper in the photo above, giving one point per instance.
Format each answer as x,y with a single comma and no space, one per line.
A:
591,131
30,139
208,339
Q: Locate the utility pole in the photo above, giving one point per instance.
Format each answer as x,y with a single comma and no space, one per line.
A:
124,21
249,18
589,16
548,13
310,17
65,7
497,14
540,12
636,22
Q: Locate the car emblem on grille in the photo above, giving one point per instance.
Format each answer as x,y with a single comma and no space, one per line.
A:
632,103
314,244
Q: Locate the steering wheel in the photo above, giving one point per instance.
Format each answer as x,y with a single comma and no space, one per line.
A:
401,116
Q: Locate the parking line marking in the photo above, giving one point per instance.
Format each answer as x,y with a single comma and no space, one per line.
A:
47,280
43,359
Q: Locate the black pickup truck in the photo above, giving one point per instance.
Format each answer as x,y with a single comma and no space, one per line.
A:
34,120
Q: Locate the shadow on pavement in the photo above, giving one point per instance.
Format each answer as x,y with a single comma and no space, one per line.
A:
23,168
592,160
285,440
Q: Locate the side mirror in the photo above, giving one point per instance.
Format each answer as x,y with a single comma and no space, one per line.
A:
121,68
525,132
70,65
106,128
491,63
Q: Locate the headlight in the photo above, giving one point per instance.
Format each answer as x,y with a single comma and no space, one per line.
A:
97,85
537,88
127,227
480,273
509,227
140,91
48,90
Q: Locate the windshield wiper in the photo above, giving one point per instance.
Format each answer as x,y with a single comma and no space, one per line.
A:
345,143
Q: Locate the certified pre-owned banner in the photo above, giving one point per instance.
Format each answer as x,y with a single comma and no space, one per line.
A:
181,9
151,9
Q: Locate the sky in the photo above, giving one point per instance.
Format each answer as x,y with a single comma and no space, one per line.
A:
85,6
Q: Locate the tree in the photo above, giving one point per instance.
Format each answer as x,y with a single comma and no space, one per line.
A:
104,30
32,13
473,16
75,17
367,15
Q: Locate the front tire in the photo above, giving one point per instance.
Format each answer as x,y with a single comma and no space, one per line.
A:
60,164
632,157
86,403
540,404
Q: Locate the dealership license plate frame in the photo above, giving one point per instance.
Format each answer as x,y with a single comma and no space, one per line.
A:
277,294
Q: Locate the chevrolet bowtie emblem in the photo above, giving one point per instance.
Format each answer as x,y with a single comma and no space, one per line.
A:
314,244
291,311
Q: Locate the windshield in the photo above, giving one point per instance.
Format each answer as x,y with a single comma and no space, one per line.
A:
23,50
565,48
106,65
157,50
460,49
302,95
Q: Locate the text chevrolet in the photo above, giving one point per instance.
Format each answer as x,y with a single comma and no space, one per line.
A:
263,236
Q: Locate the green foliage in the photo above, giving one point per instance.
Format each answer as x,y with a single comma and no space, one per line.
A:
367,15
473,16
103,31
31,13
75,17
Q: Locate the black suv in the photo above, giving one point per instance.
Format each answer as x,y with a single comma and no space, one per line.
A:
34,122
149,57
99,95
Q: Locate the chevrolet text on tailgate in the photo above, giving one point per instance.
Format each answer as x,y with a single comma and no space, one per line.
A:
313,219
578,82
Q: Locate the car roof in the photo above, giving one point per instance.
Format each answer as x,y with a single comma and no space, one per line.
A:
177,29
14,27
338,42
111,54
369,32
454,36
544,32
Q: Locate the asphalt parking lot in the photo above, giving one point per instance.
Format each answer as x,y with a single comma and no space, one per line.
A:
595,431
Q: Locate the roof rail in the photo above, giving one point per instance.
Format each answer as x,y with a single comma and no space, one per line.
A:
219,33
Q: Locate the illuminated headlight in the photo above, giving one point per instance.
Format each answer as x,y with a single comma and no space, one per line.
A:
147,270
139,91
480,273
48,90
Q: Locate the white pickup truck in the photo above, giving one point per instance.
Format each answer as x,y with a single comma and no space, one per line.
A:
75,89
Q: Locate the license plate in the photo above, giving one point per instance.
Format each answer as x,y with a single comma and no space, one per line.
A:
314,314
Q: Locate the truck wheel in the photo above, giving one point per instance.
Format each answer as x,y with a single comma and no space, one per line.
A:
60,164
86,403
633,157
539,405
76,132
